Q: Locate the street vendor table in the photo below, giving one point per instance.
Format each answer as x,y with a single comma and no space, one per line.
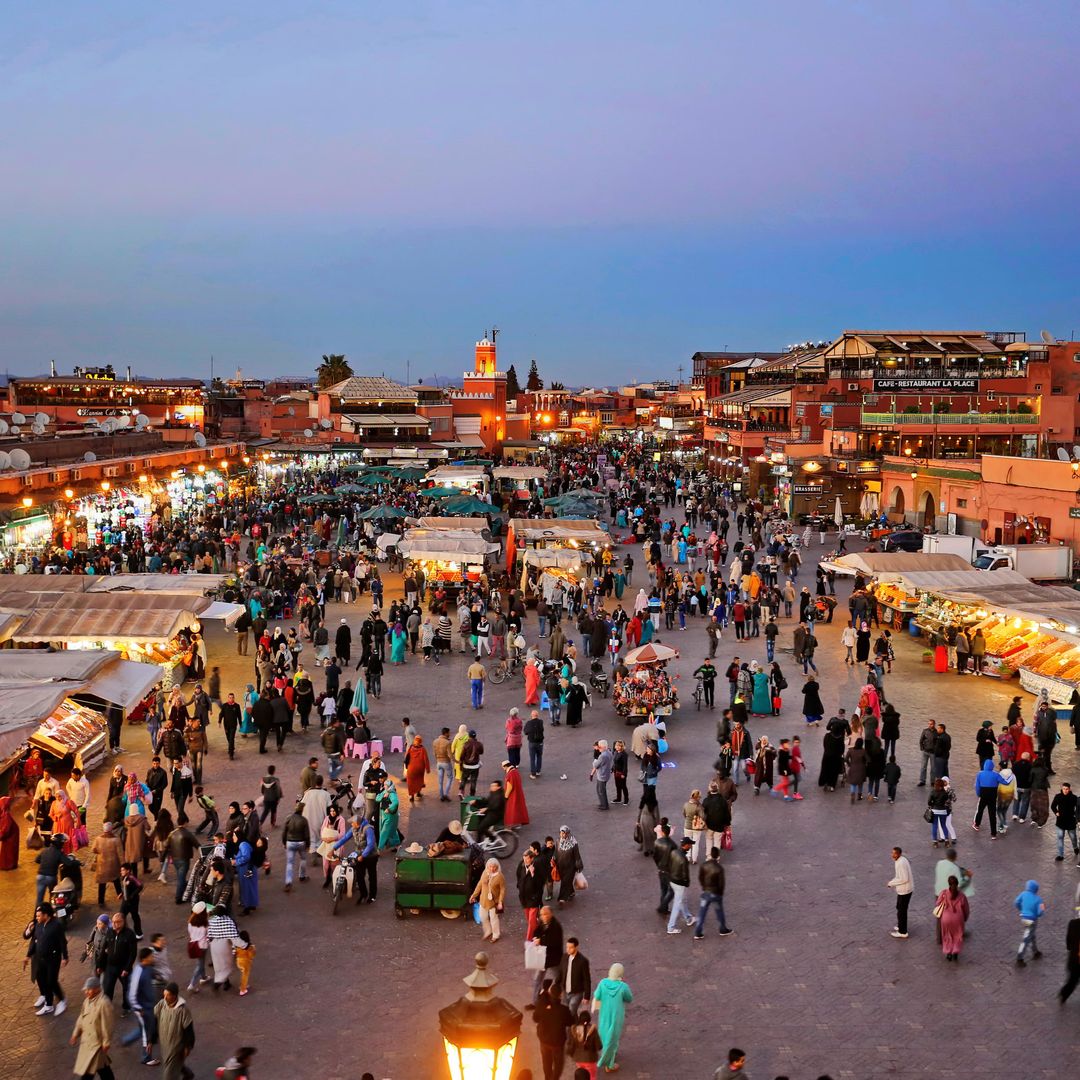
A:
423,883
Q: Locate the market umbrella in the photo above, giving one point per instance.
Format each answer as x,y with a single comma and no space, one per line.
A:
383,513
351,489
440,492
410,472
838,513
650,654
465,505
372,480
317,498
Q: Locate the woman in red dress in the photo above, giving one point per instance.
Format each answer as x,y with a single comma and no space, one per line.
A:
517,813
9,836
417,766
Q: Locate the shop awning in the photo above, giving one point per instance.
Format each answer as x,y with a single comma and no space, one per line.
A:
442,547
886,565
181,584
22,709
457,474
564,558
9,623
102,624
539,530
40,665
387,420
124,683
227,613
520,472
467,524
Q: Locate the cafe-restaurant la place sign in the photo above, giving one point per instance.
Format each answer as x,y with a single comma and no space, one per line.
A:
941,383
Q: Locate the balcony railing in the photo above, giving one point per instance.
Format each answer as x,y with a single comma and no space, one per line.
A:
956,371
932,419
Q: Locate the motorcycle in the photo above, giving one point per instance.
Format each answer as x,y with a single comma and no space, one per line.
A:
497,843
66,895
343,879
343,796
598,678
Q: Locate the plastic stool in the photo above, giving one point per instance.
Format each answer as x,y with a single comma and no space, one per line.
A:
349,744
545,701
359,750
397,744
376,747
287,613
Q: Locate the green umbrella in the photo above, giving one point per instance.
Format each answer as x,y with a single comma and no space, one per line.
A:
351,489
465,505
370,480
410,472
440,492
383,513
316,499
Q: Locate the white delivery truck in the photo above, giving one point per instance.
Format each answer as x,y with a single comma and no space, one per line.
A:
1040,562
964,546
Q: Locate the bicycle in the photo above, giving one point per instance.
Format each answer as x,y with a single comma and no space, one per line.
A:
506,669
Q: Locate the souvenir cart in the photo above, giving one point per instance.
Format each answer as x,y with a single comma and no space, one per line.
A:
648,688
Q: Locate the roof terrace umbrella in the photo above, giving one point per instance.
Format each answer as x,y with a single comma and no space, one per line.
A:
650,654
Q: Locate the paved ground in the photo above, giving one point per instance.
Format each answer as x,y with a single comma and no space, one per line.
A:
810,983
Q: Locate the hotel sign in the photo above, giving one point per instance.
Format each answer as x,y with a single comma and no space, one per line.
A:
916,386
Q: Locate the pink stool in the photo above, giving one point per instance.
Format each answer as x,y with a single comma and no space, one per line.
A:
349,744
397,744
376,747
359,750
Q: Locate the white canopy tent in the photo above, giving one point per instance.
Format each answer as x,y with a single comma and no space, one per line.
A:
124,683
888,565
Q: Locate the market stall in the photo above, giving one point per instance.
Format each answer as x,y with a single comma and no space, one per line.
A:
518,483
462,477
448,557
542,538
73,731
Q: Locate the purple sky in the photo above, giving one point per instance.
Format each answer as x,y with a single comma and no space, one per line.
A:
615,184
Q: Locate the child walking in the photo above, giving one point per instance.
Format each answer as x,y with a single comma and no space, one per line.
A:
245,956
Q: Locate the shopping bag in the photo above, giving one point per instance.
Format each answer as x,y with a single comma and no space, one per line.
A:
535,956
476,913
726,843
33,839
581,882
778,702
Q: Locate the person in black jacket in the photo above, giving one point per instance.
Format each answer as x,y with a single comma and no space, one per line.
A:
711,879
48,949
942,749
575,977
548,933
121,948
553,1020
662,857
157,780
262,715
229,719
343,642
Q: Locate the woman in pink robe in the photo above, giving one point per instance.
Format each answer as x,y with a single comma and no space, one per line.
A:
954,914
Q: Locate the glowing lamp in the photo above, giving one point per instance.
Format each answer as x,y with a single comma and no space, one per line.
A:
201,468
914,475
69,493
480,1031
105,485
143,478
27,501
247,460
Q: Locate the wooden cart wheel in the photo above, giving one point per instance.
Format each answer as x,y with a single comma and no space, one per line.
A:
448,913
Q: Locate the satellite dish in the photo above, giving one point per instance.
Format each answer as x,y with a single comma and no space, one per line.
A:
5,460
38,429
1076,452
18,418
15,429
3,427
89,456
1047,337
291,411
142,420
41,418
20,459
326,424
308,433
108,426
1063,454
200,439
123,421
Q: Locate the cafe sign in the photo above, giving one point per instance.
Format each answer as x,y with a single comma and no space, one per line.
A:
929,385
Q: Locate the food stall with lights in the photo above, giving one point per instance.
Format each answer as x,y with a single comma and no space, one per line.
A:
464,477
518,483
448,557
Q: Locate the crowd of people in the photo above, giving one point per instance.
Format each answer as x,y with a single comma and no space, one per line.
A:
711,564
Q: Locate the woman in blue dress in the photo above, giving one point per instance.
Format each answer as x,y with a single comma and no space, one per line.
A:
610,999
247,724
248,875
761,703
397,644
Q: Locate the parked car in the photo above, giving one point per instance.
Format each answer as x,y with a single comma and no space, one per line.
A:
903,540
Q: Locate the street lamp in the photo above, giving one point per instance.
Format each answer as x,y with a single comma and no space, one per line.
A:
69,493
105,485
480,1031
27,502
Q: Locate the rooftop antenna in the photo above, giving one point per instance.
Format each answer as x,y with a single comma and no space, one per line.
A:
494,333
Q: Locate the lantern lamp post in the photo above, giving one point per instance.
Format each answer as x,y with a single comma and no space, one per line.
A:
480,1031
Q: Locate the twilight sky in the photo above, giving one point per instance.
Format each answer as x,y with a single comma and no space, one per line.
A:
615,183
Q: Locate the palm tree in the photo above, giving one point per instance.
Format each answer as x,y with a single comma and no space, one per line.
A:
333,369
